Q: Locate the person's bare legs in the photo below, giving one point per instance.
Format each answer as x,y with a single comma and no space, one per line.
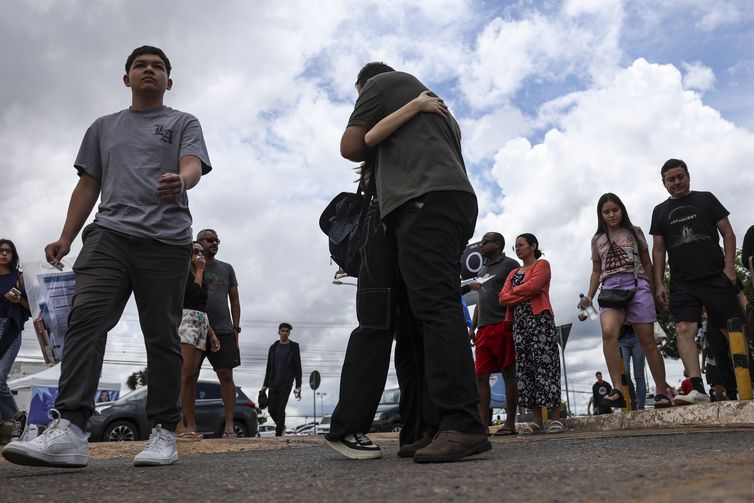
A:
685,332
536,414
483,387
611,322
190,374
645,334
511,397
228,393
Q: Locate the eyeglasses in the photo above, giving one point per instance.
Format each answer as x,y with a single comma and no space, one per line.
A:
211,240
6,251
485,241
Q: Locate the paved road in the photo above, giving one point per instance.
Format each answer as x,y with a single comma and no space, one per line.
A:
688,465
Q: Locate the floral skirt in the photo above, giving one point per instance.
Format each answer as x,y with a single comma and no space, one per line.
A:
193,329
537,358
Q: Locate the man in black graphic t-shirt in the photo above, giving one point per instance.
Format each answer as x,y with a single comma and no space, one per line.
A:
701,275
599,390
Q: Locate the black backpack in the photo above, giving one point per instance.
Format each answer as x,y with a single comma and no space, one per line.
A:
342,221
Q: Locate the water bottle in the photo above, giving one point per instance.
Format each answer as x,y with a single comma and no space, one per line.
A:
587,312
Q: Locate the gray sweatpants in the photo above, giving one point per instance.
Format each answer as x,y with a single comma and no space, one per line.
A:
111,266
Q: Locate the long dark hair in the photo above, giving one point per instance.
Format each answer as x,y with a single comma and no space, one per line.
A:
14,261
625,222
532,240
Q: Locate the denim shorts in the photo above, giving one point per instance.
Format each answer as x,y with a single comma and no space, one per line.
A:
641,309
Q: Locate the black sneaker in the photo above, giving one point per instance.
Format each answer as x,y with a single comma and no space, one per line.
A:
355,446
19,424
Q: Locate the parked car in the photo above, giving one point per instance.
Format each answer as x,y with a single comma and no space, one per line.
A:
323,427
388,417
126,419
266,430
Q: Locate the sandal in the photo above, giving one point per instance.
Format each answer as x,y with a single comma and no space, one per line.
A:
662,402
505,431
614,399
230,434
189,436
534,429
555,427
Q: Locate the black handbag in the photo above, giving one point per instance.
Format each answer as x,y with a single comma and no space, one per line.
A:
618,298
262,400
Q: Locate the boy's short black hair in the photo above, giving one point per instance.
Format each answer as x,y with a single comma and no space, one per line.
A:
148,49
284,325
370,70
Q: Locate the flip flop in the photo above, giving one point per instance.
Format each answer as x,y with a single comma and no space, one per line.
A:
230,434
662,402
505,431
616,403
534,429
189,436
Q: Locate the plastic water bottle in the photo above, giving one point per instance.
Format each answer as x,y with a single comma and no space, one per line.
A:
587,312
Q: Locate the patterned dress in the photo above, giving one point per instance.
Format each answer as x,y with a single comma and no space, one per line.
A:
537,358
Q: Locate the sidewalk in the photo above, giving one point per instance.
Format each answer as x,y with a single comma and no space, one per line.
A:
719,414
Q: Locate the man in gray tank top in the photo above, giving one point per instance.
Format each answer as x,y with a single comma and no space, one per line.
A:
139,162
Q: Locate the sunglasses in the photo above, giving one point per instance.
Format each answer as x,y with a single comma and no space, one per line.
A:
211,240
485,241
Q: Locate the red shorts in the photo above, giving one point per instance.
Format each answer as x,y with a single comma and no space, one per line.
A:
494,348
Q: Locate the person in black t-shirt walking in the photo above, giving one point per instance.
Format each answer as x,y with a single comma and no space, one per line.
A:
686,226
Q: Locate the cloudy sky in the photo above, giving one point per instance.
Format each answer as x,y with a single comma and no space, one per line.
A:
559,102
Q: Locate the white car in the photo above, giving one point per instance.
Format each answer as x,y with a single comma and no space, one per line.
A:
266,430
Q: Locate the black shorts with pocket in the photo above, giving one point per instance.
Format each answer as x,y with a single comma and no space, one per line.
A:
715,293
228,356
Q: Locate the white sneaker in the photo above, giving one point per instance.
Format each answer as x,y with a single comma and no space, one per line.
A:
160,449
58,447
355,446
693,397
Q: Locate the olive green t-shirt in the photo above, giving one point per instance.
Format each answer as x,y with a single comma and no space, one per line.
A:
423,155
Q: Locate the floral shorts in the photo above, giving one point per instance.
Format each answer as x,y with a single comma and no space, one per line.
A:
193,328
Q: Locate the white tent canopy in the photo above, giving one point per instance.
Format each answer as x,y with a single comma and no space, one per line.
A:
49,378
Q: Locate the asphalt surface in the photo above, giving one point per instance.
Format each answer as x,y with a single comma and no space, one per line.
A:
659,465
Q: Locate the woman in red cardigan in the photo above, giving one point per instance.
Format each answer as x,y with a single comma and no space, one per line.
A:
526,295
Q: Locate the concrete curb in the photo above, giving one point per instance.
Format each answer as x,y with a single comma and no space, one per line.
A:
734,413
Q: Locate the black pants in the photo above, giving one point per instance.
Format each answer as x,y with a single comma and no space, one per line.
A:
111,266
367,358
277,401
429,237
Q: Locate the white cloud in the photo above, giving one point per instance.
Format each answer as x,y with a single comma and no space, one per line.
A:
697,76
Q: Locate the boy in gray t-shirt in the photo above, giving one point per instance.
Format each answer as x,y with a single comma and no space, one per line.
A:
139,162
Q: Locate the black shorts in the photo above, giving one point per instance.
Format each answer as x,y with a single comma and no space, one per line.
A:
228,356
715,293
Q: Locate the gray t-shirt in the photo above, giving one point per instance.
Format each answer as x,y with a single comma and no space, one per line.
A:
489,309
423,155
219,277
127,152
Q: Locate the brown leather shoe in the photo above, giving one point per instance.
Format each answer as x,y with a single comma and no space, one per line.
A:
452,446
408,450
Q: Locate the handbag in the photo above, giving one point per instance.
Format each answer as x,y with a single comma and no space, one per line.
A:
618,298
262,400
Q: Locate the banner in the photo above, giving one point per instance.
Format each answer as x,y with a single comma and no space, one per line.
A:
471,260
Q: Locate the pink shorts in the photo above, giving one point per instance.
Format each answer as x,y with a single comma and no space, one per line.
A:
494,348
641,309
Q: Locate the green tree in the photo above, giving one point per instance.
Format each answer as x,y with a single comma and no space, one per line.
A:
136,379
669,346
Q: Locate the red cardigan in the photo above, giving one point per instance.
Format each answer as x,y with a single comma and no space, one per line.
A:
535,289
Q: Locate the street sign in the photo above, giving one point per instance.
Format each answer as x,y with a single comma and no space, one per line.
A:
314,380
565,331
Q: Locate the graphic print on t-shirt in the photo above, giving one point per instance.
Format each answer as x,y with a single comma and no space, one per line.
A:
685,227
618,258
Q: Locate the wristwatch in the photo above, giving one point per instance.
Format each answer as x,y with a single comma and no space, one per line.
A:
237,329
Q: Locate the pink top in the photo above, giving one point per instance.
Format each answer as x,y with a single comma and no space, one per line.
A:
535,289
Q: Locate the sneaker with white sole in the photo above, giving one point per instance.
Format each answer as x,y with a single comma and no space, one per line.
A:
160,449
18,424
355,446
57,447
693,397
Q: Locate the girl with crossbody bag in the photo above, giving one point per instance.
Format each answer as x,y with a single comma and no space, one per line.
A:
620,261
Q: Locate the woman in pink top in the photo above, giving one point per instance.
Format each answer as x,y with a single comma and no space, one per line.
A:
526,295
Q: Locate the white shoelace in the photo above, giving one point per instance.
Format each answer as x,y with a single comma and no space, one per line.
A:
156,438
362,439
